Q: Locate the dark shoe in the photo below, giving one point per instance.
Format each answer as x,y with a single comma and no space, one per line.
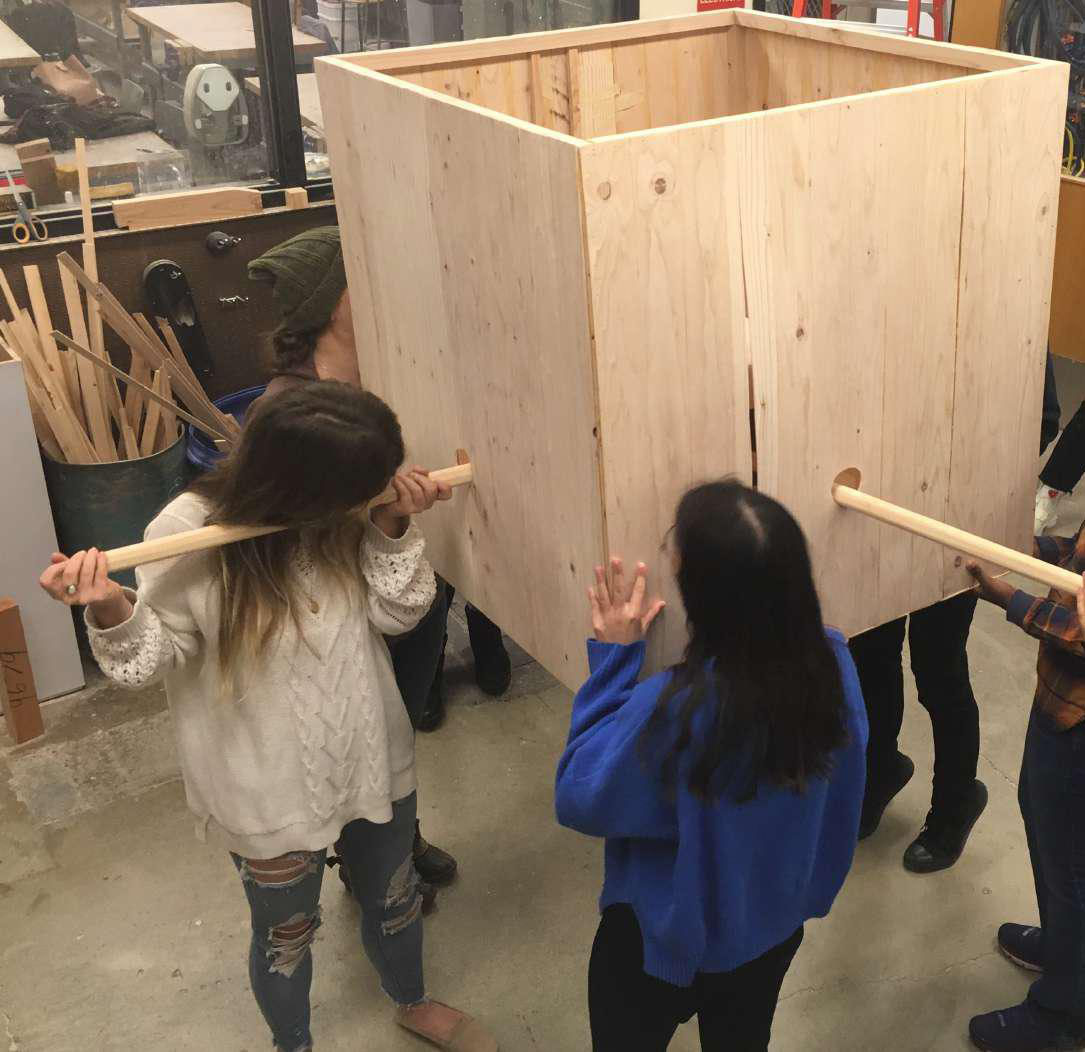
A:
493,667
434,866
943,837
877,799
1022,1028
427,891
433,715
1023,944
493,672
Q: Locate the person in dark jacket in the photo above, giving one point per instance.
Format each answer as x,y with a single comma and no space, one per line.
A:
728,787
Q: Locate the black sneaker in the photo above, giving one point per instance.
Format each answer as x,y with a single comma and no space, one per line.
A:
1023,944
943,837
434,866
878,799
1023,1028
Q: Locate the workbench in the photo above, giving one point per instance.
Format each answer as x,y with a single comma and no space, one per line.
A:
308,101
114,160
219,32
15,53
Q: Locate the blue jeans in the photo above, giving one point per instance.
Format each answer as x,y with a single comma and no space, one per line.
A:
284,897
1052,797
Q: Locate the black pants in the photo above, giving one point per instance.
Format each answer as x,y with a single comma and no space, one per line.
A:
939,638
418,655
1066,464
635,1012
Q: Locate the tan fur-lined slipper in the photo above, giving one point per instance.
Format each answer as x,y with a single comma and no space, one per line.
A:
467,1035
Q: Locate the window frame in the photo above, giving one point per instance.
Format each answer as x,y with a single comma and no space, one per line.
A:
273,27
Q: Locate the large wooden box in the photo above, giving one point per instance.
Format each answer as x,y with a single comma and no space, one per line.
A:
585,255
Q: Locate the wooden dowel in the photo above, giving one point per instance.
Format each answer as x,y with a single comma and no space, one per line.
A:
847,496
169,417
215,536
154,415
141,372
93,393
125,326
64,365
108,366
131,446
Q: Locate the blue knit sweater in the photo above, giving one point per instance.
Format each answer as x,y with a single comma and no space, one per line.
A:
713,885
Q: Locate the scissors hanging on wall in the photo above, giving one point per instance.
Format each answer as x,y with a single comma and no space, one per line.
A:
27,226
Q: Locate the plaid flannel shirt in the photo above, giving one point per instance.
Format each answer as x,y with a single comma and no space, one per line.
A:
1060,667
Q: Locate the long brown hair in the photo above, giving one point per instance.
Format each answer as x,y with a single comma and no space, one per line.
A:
307,459
758,696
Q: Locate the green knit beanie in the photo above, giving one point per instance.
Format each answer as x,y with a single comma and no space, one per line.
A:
308,275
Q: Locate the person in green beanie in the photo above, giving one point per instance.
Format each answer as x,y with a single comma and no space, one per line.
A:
315,341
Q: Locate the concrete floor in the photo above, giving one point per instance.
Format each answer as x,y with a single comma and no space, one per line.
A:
120,931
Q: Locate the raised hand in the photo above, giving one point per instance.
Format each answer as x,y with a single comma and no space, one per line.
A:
618,613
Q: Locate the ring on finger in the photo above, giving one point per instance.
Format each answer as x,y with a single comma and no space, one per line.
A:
71,589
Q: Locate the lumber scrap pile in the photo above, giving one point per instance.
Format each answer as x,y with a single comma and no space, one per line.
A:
80,413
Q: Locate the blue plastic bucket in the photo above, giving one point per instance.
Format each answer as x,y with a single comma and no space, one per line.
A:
200,451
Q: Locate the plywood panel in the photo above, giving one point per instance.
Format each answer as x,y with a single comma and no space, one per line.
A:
667,298
1068,286
852,328
1010,203
27,538
784,70
470,305
598,108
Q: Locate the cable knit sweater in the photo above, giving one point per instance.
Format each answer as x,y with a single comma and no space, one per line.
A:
319,736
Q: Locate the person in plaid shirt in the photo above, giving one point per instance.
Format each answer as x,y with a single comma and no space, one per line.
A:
1051,792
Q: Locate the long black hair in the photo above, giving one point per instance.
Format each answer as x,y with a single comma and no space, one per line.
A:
758,695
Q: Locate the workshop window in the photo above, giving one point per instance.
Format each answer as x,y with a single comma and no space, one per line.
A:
173,95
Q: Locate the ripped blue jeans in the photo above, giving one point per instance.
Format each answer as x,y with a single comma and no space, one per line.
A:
284,898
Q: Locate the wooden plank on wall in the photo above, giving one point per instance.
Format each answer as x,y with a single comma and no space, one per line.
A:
477,333
1010,202
1068,286
667,304
852,328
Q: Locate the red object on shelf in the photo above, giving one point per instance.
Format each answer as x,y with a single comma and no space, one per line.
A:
798,10
718,5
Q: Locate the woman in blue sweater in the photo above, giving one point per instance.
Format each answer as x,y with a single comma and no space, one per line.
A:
728,787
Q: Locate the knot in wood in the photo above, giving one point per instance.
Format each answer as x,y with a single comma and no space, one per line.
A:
659,184
604,190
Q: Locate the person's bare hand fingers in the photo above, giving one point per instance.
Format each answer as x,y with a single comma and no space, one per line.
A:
653,612
602,592
56,557
101,577
70,576
428,487
618,592
444,491
640,584
596,610
50,578
86,571
415,498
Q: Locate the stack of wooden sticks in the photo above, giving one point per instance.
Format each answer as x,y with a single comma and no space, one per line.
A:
79,411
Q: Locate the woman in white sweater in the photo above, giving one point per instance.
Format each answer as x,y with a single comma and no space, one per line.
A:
290,728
